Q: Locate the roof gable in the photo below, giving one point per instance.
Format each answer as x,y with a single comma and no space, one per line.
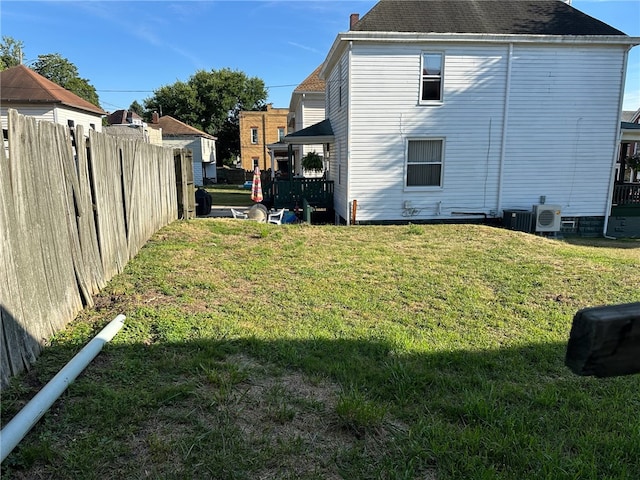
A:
313,83
175,128
321,132
20,84
123,117
500,17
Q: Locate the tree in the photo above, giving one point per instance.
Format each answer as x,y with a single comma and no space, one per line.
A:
177,100
11,52
136,108
212,101
64,73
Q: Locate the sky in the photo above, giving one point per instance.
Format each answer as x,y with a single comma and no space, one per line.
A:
128,49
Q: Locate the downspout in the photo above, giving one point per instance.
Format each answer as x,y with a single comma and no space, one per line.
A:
264,141
505,121
616,149
348,102
19,426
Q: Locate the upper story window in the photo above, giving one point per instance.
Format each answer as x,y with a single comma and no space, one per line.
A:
431,81
254,135
424,163
280,134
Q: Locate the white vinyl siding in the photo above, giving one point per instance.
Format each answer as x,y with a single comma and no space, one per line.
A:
55,114
63,115
563,123
44,112
338,156
559,141
203,150
311,112
386,113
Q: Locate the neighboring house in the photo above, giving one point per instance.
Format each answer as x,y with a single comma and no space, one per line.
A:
126,123
457,109
34,95
258,130
177,134
124,117
305,109
630,147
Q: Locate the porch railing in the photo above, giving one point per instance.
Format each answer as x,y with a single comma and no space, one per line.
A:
287,193
626,194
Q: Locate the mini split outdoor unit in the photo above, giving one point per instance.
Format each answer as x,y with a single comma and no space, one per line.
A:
547,218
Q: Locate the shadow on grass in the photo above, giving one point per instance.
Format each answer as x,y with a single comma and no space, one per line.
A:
624,243
169,409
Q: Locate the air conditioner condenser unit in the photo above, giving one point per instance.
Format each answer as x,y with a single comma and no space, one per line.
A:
547,218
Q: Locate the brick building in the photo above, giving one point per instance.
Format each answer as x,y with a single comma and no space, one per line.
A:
257,130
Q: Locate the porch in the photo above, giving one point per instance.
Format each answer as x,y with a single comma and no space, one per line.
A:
626,194
626,199
294,192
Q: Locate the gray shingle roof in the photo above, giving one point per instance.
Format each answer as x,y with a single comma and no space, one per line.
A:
522,17
318,133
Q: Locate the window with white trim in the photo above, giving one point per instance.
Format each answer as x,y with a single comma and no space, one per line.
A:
280,134
424,163
431,78
254,135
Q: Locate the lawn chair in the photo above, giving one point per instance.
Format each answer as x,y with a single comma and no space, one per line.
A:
276,217
239,214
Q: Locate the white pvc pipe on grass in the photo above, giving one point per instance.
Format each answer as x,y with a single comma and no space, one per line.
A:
19,426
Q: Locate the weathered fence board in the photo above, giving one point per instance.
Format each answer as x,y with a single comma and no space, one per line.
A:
26,230
106,166
87,229
70,219
26,348
184,182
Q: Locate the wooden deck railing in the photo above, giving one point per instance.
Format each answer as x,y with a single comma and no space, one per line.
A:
626,194
287,193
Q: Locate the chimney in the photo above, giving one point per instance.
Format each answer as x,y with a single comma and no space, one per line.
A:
353,19
155,117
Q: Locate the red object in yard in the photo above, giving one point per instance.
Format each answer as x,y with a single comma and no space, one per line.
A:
256,190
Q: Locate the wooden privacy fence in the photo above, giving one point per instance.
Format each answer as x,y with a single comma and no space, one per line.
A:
72,213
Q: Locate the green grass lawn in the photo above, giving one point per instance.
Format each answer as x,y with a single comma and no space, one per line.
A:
304,352
229,196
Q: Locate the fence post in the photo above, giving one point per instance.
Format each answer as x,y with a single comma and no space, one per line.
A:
183,159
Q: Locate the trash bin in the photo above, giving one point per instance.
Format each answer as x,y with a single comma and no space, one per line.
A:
203,202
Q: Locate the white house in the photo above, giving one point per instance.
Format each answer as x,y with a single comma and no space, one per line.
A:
462,109
630,146
32,94
127,123
177,134
306,108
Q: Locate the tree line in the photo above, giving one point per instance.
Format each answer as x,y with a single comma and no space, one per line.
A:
210,101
